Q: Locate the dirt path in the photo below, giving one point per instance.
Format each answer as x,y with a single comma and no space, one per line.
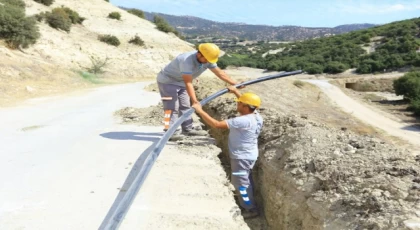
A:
401,130
64,159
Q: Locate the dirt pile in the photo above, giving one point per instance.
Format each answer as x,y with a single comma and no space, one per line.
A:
368,85
152,116
317,176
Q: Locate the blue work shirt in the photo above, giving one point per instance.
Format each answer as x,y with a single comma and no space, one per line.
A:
243,136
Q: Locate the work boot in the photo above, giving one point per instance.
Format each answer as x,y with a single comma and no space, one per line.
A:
193,132
177,136
250,214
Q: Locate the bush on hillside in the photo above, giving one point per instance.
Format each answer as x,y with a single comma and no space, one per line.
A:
109,39
136,41
74,16
15,28
41,16
408,86
114,15
59,19
312,68
17,3
164,26
415,106
137,12
335,67
45,2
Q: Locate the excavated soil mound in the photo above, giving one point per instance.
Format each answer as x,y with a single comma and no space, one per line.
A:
152,116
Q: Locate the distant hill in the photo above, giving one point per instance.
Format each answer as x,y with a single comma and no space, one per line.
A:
389,47
193,26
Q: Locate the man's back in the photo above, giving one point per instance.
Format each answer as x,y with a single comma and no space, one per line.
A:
243,136
185,63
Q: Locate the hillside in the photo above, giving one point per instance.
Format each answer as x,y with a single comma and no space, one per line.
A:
382,48
58,60
194,26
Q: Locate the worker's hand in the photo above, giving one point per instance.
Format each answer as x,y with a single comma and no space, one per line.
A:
240,87
197,107
232,89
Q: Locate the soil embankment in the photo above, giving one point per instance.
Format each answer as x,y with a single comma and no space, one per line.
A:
320,168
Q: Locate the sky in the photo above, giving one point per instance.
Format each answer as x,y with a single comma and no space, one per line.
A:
309,13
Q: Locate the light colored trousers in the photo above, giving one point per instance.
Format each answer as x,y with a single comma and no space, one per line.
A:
179,104
242,180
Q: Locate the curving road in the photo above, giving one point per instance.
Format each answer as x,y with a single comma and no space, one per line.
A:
403,131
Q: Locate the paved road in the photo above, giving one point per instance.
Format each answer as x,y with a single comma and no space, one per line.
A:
62,160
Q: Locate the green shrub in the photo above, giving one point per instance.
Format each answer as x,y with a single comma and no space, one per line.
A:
59,19
41,16
314,68
409,86
15,28
114,15
138,13
45,2
17,3
415,106
335,67
164,26
74,16
136,41
109,39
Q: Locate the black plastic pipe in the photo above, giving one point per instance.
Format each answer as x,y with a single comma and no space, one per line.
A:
123,202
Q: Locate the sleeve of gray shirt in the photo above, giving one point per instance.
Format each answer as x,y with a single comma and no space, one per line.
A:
240,122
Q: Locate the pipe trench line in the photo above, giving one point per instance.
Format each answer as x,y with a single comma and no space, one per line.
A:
123,202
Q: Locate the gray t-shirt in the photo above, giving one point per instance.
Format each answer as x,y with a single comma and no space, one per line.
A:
185,63
243,136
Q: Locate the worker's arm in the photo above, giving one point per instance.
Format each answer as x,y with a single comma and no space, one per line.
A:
234,90
208,119
223,76
190,88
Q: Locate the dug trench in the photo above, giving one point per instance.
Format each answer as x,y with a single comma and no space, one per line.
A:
318,168
315,172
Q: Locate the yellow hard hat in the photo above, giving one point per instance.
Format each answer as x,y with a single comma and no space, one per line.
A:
250,99
210,51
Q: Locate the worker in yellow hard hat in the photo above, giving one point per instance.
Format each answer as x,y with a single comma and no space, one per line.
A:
175,82
243,145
